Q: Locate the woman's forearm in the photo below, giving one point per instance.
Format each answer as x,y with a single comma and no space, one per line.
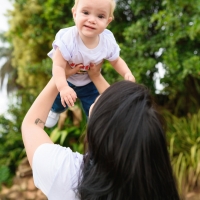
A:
97,78
33,124
42,104
100,83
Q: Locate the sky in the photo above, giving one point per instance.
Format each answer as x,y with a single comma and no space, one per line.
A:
5,5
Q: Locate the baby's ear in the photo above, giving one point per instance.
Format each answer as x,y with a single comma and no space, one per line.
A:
109,20
74,12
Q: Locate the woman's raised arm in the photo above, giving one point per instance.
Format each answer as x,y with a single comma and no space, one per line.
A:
32,128
33,124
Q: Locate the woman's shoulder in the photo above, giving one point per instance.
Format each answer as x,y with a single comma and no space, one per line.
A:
53,166
58,153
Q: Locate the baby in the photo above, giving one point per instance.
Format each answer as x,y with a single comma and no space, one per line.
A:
85,44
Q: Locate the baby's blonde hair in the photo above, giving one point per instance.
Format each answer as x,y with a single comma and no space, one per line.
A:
112,7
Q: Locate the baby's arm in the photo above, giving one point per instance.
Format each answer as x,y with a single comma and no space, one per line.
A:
67,94
121,67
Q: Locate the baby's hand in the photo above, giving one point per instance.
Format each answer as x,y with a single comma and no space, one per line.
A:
128,76
68,96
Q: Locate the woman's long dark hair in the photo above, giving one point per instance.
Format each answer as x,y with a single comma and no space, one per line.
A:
127,157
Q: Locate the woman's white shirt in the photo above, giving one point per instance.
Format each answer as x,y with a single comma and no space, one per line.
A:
56,171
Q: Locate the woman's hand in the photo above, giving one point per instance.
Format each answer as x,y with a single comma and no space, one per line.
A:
71,71
95,70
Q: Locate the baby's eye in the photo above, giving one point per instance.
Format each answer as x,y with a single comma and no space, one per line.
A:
85,12
101,16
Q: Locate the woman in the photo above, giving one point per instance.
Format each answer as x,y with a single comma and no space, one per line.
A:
126,155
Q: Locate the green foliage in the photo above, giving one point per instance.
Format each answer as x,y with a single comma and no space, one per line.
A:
166,32
4,174
184,139
11,144
11,149
68,137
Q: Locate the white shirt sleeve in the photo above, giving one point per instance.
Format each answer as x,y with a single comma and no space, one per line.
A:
56,171
63,40
111,45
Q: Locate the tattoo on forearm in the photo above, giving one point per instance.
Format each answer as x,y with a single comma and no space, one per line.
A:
39,121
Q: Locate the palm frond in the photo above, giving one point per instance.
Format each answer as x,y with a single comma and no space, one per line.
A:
6,68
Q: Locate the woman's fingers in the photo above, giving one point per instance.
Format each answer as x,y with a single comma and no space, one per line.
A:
70,71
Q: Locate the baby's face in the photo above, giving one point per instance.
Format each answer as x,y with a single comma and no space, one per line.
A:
92,17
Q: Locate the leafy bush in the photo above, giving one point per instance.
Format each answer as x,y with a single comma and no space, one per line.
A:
11,144
4,174
11,149
184,148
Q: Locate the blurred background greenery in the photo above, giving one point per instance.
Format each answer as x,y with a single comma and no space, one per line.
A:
159,40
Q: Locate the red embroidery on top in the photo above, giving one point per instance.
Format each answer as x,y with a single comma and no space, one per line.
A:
81,67
87,67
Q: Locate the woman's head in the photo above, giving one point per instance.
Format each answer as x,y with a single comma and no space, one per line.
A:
124,113
127,151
